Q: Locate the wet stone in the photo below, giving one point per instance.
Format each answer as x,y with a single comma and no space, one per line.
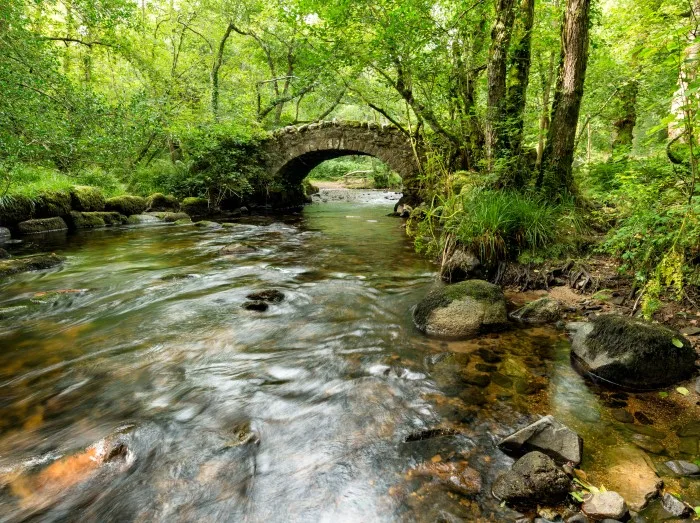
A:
587,413
501,380
546,435
483,367
473,396
648,431
643,418
528,386
688,446
622,416
270,295
480,380
534,479
691,429
675,506
648,443
605,505
683,468
456,476
488,355
259,306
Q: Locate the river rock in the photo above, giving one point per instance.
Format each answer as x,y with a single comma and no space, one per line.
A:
675,506
5,234
683,468
632,353
259,306
535,478
162,202
544,310
461,310
139,219
629,472
461,265
269,295
170,217
87,199
457,476
546,435
237,248
604,505
4,255
205,224
42,225
29,263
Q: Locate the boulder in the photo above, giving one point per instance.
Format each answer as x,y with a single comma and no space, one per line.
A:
632,353
29,263
170,217
42,225
52,203
534,479
5,234
196,206
15,208
544,310
546,435
605,505
86,199
162,202
92,220
139,219
461,310
126,204
461,265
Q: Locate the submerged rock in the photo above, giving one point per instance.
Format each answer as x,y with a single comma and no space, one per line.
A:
259,306
4,255
29,263
632,353
457,476
605,505
204,224
534,479
42,225
270,295
8,312
461,310
544,310
546,435
237,248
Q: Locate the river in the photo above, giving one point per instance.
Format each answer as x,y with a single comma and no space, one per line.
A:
318,409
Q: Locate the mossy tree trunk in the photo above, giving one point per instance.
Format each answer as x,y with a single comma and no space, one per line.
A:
623,127
218,62
556,173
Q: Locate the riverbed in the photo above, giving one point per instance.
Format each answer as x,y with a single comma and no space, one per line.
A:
329,406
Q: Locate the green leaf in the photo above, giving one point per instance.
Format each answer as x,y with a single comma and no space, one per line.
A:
683,391
577,496
697,510
678,343
663,394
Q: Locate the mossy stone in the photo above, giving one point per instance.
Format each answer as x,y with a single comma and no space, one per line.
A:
183,221
42,225
15,208
204,224
87,199
195,206
29,263
126,205
170,217
53,203
461,310
161,202
86,220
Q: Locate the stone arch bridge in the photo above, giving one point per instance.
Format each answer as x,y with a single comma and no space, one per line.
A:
292,152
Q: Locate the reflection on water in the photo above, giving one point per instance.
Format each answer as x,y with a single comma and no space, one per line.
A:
151,394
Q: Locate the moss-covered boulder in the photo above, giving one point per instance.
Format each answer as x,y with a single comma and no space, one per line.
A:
544,310
462,310
53,203
631,353
85,220
126,205
143,219
204,224
187,221
86,199
29,263
42,225
162,202
15,208
195,206
170,217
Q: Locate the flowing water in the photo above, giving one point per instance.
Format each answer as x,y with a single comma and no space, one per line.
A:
148,393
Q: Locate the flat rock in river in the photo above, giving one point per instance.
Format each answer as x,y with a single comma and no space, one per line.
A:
546,435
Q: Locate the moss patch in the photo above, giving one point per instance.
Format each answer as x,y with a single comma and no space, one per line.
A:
162,202
85,220
42,225
195,206
170,217
15,209
87,199
53,203
126,205
29,263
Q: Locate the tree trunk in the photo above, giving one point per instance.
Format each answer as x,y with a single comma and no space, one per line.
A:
687,72
218,62
496,72
514,175
547,81
624,126
556,176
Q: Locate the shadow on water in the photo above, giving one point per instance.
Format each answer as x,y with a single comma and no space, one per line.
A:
328,406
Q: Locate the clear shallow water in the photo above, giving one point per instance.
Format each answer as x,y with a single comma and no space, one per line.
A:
300,413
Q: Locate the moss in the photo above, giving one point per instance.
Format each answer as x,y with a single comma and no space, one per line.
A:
195,206
111,218
309,188
42,225
85,220
126,205
86,199
188,221
139,219
15,209
170,217
162,202
204,224
53,203
29,263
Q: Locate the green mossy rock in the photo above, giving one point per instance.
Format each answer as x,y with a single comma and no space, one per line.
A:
195,206
462,310
42,225
204,224
29,263
15,209
632,353
126,205
170,217
544,310
188,221
162,202
87,199
141,219
85,220
53,203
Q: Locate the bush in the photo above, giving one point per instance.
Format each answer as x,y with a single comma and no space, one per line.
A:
126,205
86,199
